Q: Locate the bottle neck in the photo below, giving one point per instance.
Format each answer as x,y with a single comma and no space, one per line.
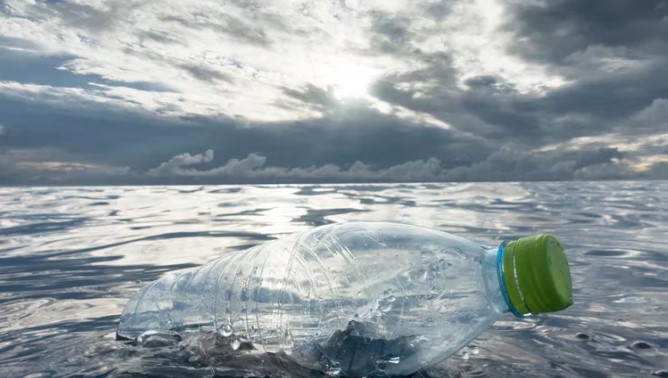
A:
494,280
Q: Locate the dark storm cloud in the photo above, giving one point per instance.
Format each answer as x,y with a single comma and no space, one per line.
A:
549,32
553,30
611,97
480,110
600,156
614,53
493,108
384,150
140,140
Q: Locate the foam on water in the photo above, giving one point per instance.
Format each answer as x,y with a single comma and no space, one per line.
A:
70,258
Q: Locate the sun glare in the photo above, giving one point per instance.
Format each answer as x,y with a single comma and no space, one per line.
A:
352,81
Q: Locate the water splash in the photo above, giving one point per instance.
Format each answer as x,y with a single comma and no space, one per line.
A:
226,330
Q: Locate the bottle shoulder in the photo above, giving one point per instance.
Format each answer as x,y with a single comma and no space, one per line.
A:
392,236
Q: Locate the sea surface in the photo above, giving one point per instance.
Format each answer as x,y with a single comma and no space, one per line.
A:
70,258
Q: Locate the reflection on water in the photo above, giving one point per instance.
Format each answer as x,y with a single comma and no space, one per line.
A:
70,258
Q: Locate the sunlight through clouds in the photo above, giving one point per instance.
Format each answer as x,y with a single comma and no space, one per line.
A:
311,88
235,56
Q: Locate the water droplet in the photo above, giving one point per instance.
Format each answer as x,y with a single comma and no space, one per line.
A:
466,356
475,350
226,330
235,344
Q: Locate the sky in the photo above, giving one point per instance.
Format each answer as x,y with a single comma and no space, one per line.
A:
110,92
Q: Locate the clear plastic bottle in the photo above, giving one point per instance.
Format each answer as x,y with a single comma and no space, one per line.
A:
358,298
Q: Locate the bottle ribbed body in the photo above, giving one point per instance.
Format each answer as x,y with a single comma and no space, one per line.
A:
350,299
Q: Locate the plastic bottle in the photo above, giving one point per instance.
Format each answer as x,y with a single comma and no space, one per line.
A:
358,298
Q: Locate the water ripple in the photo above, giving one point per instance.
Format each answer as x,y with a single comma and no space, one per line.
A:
71,257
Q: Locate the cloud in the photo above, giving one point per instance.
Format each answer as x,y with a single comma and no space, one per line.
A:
174,166
505,164
254,168
243,56
116,91
517,164
109,133
554,30
595,157
223,55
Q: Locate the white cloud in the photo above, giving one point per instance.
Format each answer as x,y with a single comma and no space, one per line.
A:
233,58
253,167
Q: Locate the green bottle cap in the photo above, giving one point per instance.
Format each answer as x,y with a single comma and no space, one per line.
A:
536,274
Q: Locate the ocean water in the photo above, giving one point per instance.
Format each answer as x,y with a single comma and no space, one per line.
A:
70,258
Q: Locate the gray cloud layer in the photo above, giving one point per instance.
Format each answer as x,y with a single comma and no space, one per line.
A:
483,90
